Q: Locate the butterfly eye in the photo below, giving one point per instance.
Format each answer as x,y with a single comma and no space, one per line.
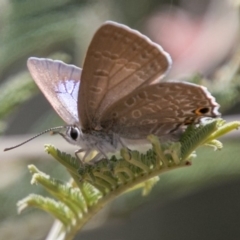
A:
74,133
201,111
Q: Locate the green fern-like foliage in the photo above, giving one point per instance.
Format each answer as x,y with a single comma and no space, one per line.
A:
94,185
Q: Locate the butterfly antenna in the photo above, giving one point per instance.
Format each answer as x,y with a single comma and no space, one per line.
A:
30,139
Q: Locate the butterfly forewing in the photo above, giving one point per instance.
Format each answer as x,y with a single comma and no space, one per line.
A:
59,82
159,109
118,61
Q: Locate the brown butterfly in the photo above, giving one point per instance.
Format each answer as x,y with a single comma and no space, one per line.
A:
115,96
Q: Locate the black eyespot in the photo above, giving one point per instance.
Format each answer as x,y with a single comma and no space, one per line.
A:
200,111
74,133
203,110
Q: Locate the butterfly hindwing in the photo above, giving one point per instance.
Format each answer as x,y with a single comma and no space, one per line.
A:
160,109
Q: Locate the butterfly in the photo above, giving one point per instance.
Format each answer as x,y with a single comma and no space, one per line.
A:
118,94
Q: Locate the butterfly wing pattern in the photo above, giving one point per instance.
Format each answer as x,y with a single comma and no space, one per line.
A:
162,109
118,61
60,84
118,94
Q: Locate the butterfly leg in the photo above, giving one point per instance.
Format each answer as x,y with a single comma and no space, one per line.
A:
120,141
84,164
94,160
82,161
100,154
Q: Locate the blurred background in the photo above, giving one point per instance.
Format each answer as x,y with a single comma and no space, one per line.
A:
202,36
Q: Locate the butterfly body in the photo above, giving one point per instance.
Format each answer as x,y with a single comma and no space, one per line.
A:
92,140
118,95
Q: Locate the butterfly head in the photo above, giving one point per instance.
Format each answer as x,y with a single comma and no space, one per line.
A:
71,133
